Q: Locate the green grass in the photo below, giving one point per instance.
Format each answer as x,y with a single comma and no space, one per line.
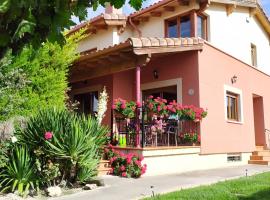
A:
247,188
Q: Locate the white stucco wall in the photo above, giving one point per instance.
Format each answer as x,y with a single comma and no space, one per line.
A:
102,39
155,26
232,34
235,33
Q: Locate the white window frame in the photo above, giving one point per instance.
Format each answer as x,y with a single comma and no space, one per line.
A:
239,92
166,83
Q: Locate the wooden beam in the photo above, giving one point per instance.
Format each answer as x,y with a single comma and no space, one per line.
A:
194,24
144,19
169,8
155,14
102,71
183,2
230,8
252,12
101,26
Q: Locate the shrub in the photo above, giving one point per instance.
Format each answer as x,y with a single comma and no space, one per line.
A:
36,78
61,139
125,165
19,173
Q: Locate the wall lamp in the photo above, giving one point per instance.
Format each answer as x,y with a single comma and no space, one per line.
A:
155,74
234,79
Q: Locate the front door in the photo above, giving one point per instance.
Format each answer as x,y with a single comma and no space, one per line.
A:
261,139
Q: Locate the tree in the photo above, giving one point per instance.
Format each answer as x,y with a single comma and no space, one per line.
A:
36,79
33,21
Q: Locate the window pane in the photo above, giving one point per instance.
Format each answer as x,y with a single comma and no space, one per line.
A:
185,26
94,101
87,102
232,107
200,26
172,28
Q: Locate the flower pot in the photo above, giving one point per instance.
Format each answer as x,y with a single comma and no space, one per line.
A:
119,115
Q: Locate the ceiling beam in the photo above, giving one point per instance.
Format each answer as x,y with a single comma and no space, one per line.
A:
102,71
169,8
230,8
155,14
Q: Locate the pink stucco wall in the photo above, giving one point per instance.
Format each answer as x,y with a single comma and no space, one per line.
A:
215,70
182,65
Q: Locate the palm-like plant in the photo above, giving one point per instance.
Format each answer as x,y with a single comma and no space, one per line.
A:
76,140
19,173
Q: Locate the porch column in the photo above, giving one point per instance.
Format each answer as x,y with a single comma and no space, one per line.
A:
138,99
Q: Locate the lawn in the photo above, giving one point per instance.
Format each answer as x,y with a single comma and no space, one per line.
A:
246,188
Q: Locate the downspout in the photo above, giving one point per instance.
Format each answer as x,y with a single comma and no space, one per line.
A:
135,27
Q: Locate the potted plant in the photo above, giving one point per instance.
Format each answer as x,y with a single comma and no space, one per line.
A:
157,106
124,109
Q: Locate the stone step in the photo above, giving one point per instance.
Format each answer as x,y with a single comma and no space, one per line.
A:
266,158
104,163
261,153
258,162
104,167
260,148
104,172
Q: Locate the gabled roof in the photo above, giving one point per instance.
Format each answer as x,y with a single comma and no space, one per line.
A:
101,20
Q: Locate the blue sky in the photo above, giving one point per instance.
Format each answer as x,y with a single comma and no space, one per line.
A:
127,9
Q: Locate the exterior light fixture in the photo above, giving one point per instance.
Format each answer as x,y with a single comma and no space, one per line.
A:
155,74
234,79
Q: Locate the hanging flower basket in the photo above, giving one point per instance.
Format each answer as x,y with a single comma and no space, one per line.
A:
119,115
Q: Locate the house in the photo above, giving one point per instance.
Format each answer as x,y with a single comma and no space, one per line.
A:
212,54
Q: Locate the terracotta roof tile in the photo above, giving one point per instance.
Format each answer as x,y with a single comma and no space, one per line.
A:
164,42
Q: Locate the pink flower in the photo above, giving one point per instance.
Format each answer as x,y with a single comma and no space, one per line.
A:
123,106
138,104
111,170
113,107
124,174
141,158
150,97
122,168
48,135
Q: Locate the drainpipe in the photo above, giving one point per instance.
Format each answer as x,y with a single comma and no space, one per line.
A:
135,27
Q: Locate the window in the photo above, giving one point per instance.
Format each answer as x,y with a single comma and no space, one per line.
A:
181,26
234,157
87,102
232,104
253,55
201,27
169,93
172,28
185,26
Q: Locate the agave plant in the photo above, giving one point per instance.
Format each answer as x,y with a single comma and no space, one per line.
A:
19,173
73,140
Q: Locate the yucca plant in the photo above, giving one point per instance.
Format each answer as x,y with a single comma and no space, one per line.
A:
19,173
72,140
